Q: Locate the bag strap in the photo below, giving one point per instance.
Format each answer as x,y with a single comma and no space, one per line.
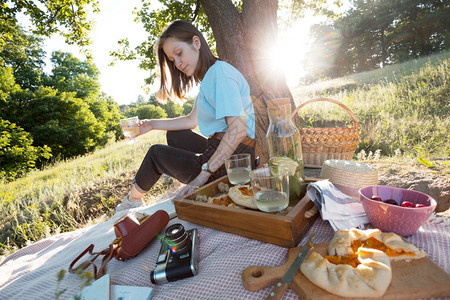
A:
108,256
107,253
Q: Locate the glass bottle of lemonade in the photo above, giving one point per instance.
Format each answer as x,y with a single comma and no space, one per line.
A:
284,146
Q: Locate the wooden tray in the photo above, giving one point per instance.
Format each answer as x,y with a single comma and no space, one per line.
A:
411,279
285,229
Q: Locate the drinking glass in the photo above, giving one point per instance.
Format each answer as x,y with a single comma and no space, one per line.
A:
238,167
271,188
130,128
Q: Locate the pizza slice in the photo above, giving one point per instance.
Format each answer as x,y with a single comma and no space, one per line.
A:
366,273
347,242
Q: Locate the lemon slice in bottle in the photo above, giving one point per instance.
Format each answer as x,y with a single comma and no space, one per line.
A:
286,162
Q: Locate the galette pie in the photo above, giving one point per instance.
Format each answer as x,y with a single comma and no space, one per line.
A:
370,277
346,242
358,262
242,195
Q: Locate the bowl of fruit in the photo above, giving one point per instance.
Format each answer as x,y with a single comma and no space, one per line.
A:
396,210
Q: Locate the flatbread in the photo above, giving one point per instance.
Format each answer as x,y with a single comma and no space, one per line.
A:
370,278
345,242
242,195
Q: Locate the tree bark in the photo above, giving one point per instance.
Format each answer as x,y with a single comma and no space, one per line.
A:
244,40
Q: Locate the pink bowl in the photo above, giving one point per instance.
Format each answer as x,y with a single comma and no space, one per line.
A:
395,218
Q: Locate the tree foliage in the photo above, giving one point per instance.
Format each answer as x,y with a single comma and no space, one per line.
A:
70,74
172,109
147,111
107,112
69,18
63,112
24,55
375,33
7,86
46,105
17,154
63,122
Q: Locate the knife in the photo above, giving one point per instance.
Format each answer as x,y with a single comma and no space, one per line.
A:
281,286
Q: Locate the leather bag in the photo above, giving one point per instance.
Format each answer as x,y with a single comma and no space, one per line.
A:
132,236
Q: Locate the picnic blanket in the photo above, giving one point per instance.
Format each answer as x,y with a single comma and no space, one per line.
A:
31,272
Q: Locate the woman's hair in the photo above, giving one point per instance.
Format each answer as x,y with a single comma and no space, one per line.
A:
180,83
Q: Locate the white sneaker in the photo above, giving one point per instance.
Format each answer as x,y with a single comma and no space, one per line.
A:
127,204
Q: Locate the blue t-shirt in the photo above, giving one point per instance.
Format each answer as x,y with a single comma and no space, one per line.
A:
224,92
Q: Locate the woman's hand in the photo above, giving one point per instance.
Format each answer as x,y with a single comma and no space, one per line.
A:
145,126
200,180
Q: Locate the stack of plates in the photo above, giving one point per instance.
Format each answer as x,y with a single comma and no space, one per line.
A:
349,176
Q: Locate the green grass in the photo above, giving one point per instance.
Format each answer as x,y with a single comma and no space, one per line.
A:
70,194
402,112
402,108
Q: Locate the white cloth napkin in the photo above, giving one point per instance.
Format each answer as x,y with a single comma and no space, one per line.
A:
341,210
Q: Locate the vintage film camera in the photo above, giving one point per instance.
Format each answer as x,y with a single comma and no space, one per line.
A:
178,256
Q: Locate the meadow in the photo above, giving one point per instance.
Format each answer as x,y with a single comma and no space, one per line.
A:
403,111
401,108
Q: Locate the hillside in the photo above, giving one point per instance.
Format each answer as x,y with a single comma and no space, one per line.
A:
402,112
389,74
401,108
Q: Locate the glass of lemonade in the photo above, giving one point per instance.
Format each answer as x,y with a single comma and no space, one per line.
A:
238,167
271,188
130,128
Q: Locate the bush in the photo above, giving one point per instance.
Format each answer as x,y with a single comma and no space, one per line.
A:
63,122
148,111
17,155
172,109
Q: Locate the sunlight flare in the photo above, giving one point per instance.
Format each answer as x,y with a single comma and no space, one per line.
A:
289,54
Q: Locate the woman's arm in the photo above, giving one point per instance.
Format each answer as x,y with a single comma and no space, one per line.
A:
179,123
236,132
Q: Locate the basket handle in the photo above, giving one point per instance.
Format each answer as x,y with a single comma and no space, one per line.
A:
355,123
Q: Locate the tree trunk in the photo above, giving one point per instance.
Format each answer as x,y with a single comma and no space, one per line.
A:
244,39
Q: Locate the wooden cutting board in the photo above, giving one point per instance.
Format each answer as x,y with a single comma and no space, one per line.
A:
413,279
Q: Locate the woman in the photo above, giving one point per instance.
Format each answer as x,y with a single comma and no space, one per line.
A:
223,111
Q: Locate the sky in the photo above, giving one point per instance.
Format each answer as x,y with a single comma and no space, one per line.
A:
123,81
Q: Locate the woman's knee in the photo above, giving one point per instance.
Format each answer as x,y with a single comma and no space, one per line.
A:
155,150
152,154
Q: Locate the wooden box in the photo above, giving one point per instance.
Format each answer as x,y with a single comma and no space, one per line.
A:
284,228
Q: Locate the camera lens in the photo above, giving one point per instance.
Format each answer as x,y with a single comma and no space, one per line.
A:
177,238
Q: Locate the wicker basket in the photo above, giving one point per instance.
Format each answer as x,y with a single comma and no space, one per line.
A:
320,144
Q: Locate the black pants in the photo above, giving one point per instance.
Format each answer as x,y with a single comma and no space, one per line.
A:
182,158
